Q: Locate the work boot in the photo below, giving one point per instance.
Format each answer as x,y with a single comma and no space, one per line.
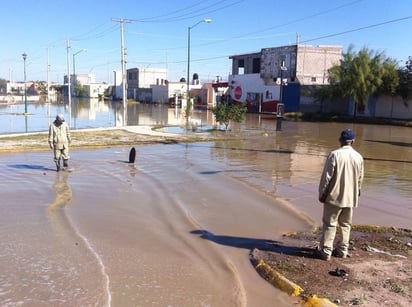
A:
339,254
65,164
58,165
320,254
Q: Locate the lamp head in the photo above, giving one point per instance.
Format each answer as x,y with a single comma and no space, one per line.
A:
207,20
24,55
81,50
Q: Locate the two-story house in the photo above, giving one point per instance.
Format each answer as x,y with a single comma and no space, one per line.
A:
274,75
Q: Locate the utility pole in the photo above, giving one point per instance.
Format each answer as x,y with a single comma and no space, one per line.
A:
24,55
48,72
48,75
68,83
123,62
188,102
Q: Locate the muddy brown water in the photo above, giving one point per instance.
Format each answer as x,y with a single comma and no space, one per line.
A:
176,228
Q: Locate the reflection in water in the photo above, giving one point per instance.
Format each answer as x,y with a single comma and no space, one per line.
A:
133,170
94,113
62,192
64,228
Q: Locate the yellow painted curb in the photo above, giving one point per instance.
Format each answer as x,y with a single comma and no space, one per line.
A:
314,301
277,280
282,283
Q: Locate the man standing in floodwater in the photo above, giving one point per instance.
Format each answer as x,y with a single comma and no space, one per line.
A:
339,191
59,140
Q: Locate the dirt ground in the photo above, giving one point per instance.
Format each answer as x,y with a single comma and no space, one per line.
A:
378,273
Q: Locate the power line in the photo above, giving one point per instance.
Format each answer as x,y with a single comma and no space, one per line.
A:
357,29
217,6
103,33
154,18
313,39
294,21
244,36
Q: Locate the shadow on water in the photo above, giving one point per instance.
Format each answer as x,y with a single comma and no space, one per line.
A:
387,160
252,243
210,172
30,167
281,151
237,171
403,144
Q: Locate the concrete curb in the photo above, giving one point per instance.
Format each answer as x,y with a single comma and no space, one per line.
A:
277,280
285,285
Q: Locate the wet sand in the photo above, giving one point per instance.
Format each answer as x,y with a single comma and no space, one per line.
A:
176,228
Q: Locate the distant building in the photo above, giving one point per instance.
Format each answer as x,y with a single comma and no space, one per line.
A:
12,92
83,79
88,82
150,85
96,90
273,75
140,80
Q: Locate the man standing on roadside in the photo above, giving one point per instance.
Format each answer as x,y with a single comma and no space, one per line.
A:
59,140
339,191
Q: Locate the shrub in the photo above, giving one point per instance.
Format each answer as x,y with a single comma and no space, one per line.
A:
226,113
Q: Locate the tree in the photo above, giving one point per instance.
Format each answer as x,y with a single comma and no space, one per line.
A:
322,93
41,87
79,90
390,77
360,75
226,113
405,80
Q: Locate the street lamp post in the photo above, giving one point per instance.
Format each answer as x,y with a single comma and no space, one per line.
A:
74,70
188,62
24,55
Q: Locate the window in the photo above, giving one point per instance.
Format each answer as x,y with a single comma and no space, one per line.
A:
256,66
240,66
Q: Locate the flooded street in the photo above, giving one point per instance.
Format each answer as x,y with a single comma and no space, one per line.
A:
176,228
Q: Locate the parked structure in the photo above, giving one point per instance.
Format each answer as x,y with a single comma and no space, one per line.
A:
273,75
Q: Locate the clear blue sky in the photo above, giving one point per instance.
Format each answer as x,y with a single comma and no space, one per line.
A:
158,33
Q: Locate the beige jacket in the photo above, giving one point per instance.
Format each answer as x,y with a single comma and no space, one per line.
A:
59,136
342,178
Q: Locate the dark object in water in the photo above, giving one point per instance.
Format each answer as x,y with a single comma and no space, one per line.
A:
132,155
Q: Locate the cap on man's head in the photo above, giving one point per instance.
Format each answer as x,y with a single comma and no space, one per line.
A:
60,117
347,136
